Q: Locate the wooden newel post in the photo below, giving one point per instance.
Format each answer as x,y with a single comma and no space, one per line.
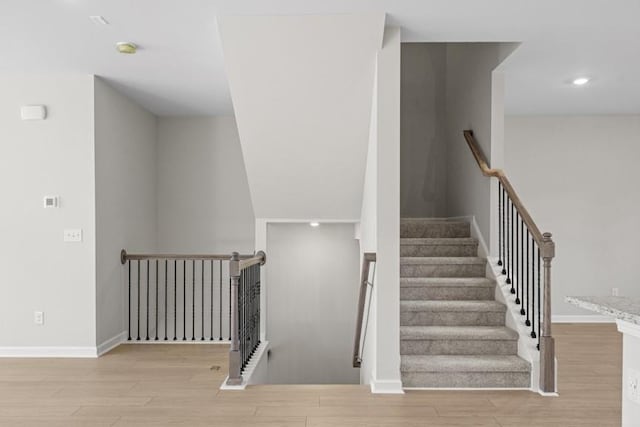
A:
547,346
235,377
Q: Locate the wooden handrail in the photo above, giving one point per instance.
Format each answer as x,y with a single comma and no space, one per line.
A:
258,258
502,177
124,256
367,259
546,251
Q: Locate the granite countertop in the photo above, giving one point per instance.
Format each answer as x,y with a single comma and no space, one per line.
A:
623,308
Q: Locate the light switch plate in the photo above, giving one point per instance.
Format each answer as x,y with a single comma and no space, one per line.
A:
73,235
38,317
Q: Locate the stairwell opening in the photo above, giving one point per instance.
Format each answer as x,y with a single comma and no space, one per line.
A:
311,291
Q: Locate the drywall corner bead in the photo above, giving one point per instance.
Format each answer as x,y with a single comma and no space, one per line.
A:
33,112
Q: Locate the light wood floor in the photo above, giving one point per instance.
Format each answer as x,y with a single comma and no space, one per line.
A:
151,385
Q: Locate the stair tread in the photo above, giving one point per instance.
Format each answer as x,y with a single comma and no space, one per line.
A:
472,363
411,282
412,260
438,241
432,221
447,305
457,333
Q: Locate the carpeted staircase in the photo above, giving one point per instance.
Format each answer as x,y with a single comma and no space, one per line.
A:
452,331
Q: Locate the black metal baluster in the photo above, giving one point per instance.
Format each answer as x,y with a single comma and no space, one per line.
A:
258,291
220,313
211,301
500,254
505,233
156,338
522,296
184,300
166,297
516,271
511,247
245,308
129,298
244,317
526,292
193,301
533,288
539,310
138,338
250,312
147,301
241,318
202,301
175,299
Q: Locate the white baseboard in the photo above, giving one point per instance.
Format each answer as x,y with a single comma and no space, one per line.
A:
250,370
386,386
468,388
111,343
587,318
49,351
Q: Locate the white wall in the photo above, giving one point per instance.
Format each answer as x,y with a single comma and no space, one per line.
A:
125,170
386,376
578,177
39,158
312,294
471,104
301,89
368,236
423,130
203,198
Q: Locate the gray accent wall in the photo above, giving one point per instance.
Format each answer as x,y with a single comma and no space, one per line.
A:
447,88
125,170
203,199
471,101
312,297
423,130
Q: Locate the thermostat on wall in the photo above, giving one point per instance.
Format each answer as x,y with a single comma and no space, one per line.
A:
51,201
33,112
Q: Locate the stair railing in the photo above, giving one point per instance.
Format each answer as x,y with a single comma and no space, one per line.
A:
178,297
367,280
245,312
521,247
198,298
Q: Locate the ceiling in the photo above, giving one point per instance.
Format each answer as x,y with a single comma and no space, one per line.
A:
180,69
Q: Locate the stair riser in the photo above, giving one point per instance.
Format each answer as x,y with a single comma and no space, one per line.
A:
439,250
434,230
451,318
466,379
442,270
434,293
458,347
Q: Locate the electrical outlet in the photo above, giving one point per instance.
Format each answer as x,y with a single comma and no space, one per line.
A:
38,317
73,235
633,385
614,292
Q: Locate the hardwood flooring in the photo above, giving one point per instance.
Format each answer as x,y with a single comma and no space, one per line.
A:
177,385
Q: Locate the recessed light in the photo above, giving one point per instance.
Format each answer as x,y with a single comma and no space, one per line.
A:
580,81
314,224
97,19
126,47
